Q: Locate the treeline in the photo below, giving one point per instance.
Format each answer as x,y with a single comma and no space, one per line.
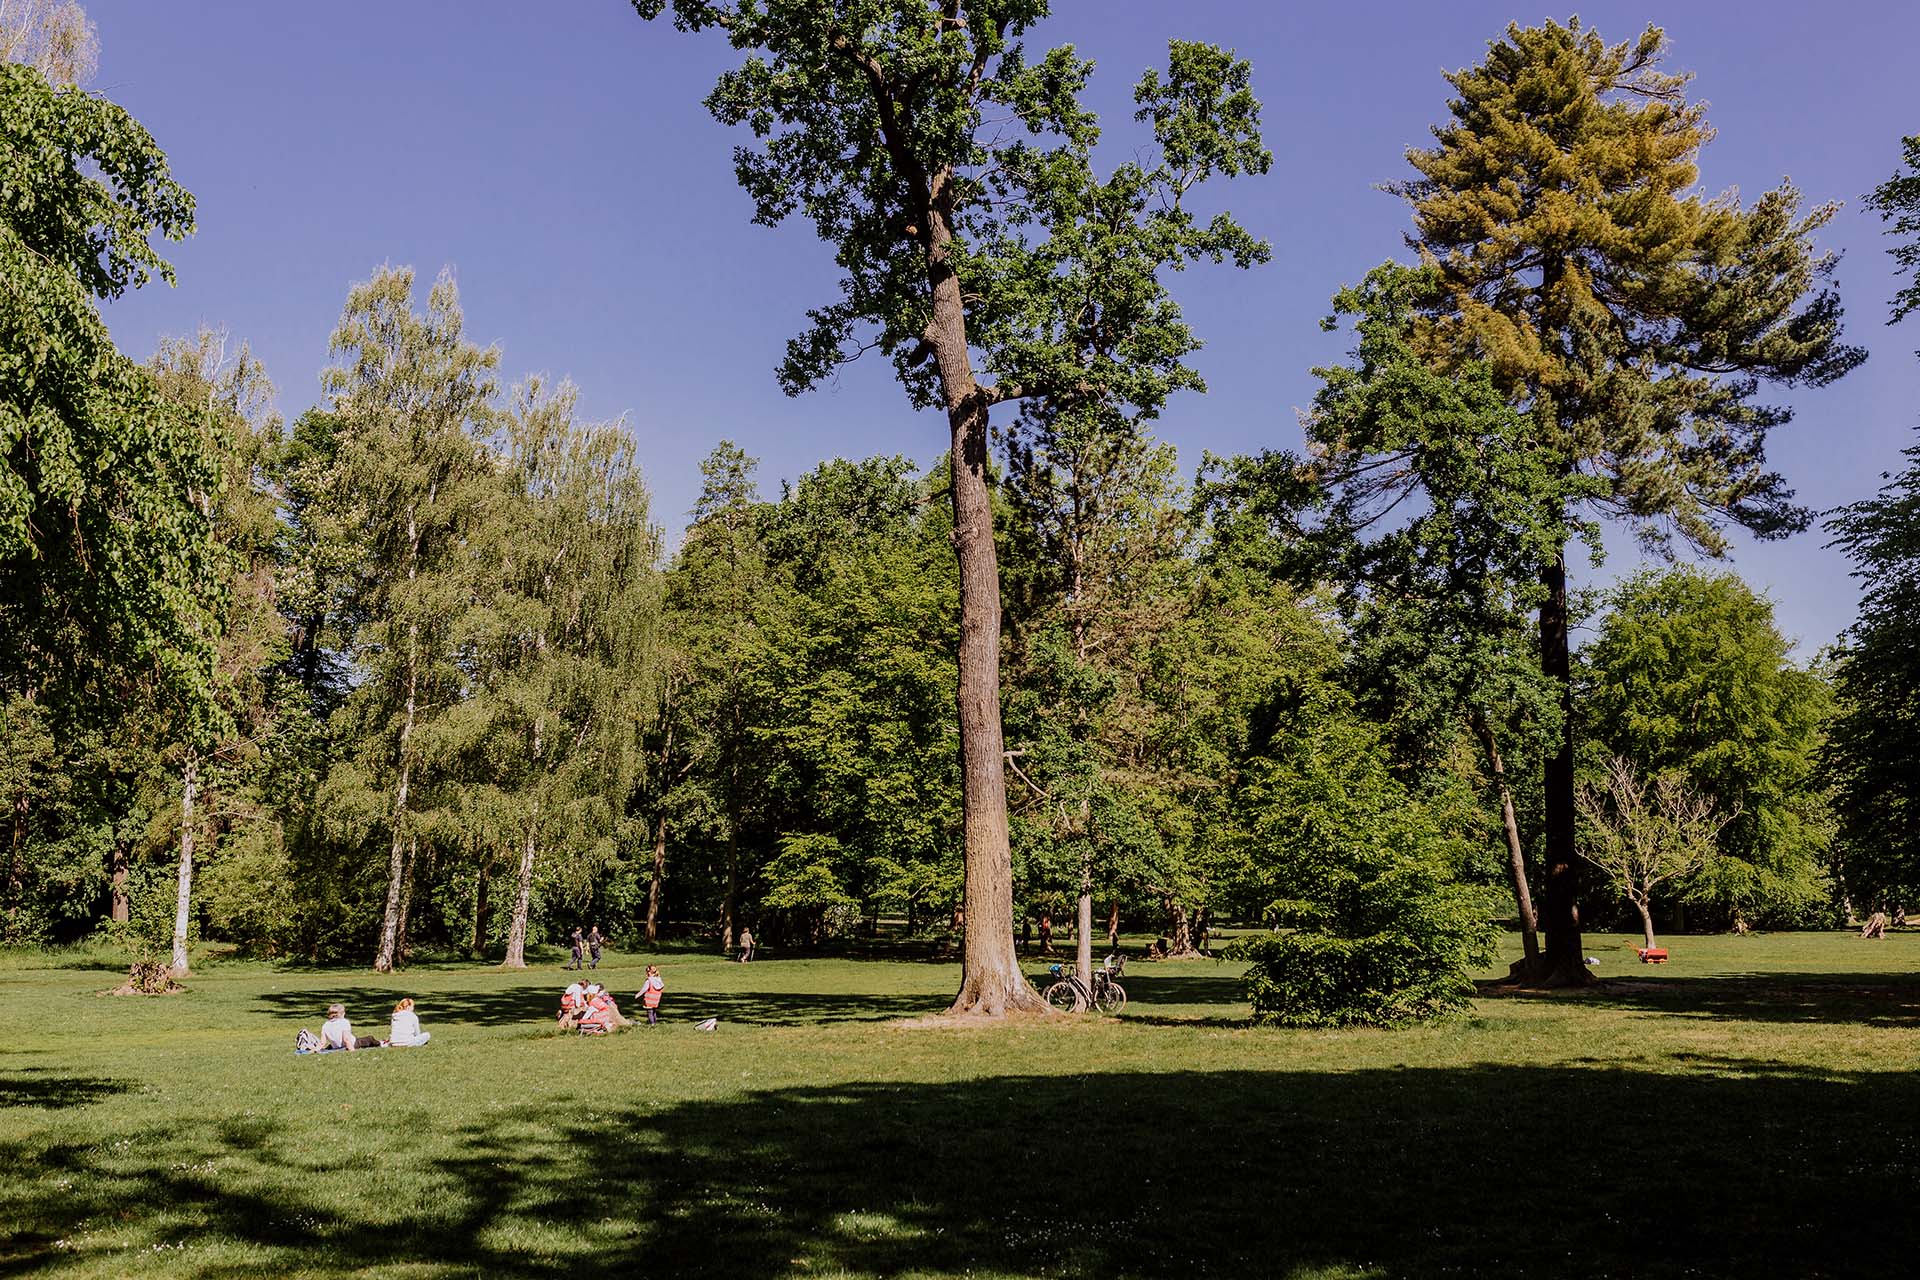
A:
421,671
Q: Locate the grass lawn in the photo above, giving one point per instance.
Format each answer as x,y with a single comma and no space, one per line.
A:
1748,1109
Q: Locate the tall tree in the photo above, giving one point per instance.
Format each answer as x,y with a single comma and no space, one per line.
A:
414,398
957,236
1631,317
1873,757
571,611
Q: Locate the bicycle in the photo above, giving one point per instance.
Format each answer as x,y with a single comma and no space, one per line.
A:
1069,995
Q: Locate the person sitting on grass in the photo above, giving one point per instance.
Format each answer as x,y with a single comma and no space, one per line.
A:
573,1003
337,1033
404,1030
602,1014
650,993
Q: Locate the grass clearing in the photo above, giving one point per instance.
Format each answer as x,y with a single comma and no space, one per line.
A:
1749,1108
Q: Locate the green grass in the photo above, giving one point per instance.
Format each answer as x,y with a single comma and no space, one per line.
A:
1748,1109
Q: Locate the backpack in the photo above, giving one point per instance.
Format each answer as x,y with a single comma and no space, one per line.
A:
306,1042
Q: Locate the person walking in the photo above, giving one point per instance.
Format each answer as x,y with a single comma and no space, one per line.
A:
576,941
1046,934
650,993
746,945
594,942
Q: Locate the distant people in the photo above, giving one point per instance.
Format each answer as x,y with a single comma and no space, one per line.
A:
1113,928
1157,949
573,1003
746,945
404,1030
577,942
337,1033
1046,934
1026,933
594,942
650,993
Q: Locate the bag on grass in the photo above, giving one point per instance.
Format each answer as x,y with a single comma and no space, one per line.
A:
306,1042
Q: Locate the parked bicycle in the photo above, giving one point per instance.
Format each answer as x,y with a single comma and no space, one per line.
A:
1069,995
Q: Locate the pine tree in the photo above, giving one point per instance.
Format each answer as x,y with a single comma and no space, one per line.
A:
1631,317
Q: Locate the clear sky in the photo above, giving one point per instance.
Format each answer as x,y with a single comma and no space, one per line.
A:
557,157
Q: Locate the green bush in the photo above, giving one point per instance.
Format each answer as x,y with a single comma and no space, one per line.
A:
1371,926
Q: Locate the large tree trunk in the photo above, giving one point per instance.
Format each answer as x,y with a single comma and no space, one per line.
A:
117,874
396,861
1179,931
991,983
1562,962
516,957
657,885
1516,855
406,899
1646,919
183,895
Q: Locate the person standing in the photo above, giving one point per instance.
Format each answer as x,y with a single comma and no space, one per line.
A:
594,942
651,992
746,944
576,941
1046,934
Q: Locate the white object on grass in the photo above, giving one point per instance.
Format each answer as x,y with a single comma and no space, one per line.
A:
708,1025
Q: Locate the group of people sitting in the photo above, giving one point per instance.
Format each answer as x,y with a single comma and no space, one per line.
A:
336,1033
590,1008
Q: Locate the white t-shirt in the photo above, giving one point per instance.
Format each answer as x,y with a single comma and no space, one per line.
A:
405,1027
336,1033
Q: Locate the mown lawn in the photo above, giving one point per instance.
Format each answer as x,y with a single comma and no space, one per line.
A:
1749,1109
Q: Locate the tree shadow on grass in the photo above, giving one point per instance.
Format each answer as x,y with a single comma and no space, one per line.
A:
1866,999
43,1087
1408,1172
535,1007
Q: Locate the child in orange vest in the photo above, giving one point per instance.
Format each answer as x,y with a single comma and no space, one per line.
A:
651,992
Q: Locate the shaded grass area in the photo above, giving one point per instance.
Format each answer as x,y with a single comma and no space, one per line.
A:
1749,1110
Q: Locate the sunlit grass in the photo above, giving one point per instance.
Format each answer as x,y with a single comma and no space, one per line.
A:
1748,1107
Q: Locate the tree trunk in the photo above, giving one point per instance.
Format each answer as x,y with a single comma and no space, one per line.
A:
657,886
1516,855
1562,962
1113,926
516,957
406,899
183,895
1179,931
396,861
728,918
17,866
479,944
1646,919
118,871
1083,940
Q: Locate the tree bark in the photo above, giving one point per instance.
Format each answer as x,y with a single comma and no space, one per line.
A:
1646,919
516,957
1179,931
396,861
406,899
1083,940
657,885
1516,855
183,895
1562,961
117,874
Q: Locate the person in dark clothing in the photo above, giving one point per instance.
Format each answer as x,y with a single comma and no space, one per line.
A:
576,941
594,942
1046,934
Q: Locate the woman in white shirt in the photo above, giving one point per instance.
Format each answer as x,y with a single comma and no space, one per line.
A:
404,1031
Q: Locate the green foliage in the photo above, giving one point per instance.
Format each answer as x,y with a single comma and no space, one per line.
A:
1689,674
108,571
1898,202
1372,927
1873,758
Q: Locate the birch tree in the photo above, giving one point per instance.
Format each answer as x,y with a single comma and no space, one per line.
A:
414,397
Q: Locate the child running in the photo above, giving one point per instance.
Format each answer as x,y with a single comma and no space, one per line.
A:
650,993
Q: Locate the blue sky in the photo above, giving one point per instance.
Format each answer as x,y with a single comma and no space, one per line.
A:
557,157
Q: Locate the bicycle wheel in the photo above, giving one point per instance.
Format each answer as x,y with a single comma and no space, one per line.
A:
1064,996
1113,998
